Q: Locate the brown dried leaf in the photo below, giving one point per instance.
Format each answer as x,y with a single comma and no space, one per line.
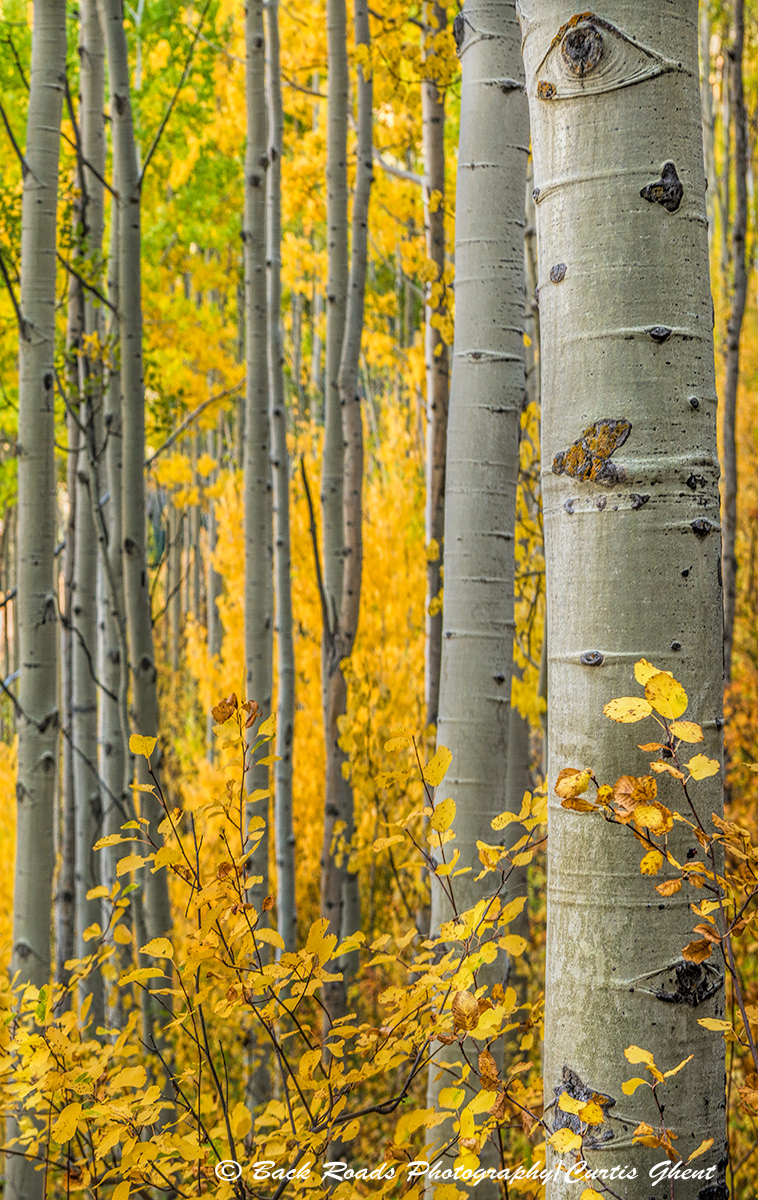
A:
698,951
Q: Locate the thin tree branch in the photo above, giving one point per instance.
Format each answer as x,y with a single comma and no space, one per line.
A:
316,556
25,168
192,417
175,97
86,163
89,286
398,172
23,325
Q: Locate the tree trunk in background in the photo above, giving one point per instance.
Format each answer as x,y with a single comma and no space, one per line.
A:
332,482
285,710
134,531
486,398
89,802
257,484
734,331
37,601
436,355
632,549
336,301
215,587
352,433
706,106
174,531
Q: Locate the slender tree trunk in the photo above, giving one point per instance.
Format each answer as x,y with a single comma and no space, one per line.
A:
174,530
215,591
706,105
437,381
89,805
632,547
734,332
37,600
134,531
285,713
486,398
258,505
336,302
340,900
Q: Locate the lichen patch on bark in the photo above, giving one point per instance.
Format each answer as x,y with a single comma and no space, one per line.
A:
588,458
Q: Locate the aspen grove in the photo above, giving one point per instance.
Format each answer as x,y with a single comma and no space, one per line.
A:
378,599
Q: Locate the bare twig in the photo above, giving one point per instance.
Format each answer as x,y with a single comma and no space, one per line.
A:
192,417
316,555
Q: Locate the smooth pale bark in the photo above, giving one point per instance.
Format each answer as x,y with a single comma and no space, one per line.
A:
284,835
142,669
89,804
734,332
174,530
258,597
486,396
37,711
340,899
632,551
706,106
215,589
436,358
336,306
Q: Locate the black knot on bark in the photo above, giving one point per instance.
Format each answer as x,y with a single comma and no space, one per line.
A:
558,273
701,527
458,30
48,380
591,658
582,49
666,191
638,501
659,333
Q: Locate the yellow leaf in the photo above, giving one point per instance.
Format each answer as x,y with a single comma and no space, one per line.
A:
644,671
268,728
92,931
121,935
451,1097
714,1024
627,709
505,818
677,1069
110,839
465,1009
65,1127
651,863
383,843
635,1054
659,766
130,1077
701,767
564,1140
669,888
130,863
655,817
143,746
95,893
702,1148
241,1121
122,1190
631,1085
591,1113
436,769
687,731
141,975
591,1194
513,944
443,815
666,695
397,743
571,783
569,1104
159,947
576,804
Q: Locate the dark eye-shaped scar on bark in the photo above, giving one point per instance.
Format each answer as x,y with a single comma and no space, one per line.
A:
589,457
666,191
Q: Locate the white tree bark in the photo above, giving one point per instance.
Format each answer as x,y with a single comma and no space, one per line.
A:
134,531
37,601
436,358
486,397
257,484
632,544
285,710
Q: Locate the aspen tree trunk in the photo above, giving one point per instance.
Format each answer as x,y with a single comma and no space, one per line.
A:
486,397
632,546
436,357
114,753
336,302
340,901
89,805
706,105
215,589
285,711
734,331
174,530
258,514
134,532
37,600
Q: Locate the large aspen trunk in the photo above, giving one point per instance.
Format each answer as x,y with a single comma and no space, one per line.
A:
340,899
37,710
89,801
486,398
734,330
436,357
257,474
142,669
632,546
285,708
